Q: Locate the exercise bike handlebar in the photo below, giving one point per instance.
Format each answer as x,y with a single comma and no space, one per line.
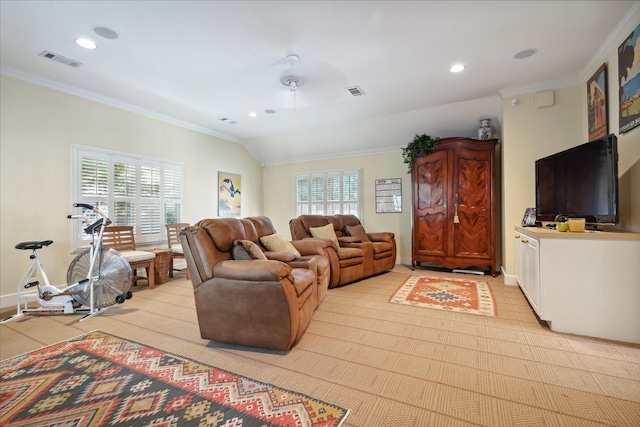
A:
92,227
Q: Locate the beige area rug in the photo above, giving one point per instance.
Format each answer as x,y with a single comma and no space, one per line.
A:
459,295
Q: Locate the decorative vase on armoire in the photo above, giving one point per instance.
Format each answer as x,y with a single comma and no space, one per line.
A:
455,206
484,133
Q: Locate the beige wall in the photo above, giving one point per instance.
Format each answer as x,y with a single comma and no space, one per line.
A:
531,133
38,127
279,203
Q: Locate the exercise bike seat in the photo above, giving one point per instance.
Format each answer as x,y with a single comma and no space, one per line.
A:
33,245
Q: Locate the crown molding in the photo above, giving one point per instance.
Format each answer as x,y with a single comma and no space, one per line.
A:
112,102
538,87
357,153
622,30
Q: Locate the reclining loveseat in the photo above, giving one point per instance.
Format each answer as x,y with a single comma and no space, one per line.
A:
353,253
246,294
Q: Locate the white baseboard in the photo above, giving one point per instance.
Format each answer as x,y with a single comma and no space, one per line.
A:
509,279
8,300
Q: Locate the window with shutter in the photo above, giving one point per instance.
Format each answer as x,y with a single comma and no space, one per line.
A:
132,190
329,193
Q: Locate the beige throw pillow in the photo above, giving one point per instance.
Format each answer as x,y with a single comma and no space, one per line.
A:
358,232
325,232
277,243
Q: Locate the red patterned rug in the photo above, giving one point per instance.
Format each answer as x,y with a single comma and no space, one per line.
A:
98,379
459,295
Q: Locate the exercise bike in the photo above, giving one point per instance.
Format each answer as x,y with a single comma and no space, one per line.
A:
97,278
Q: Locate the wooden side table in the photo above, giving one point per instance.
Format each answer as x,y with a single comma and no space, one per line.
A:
162,265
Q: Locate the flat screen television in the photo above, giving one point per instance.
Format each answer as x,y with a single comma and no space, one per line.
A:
581,182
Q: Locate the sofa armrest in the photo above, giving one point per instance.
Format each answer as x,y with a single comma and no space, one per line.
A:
313,246
309,264
348,239
316,242
252,270
384,236
280,256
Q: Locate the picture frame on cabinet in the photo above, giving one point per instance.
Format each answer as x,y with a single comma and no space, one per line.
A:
598,118
529,218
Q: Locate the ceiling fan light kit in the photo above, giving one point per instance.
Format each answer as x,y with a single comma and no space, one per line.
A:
290,79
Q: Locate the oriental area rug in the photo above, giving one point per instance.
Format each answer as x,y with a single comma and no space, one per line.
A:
99,379
458,295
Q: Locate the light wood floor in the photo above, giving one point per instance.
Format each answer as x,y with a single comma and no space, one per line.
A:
394,365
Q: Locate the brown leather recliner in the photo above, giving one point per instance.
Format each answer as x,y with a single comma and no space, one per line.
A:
264,303
307,248
355,259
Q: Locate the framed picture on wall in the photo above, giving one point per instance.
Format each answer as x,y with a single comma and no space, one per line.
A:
597,104
389,195
229,194
629,79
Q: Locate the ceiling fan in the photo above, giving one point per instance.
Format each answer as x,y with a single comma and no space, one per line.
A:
291,78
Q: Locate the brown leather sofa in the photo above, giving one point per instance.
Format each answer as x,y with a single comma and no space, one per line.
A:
265,303
308,249
354,258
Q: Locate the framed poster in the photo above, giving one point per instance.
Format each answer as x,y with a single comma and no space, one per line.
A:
629,79
389,195
229,195
597,104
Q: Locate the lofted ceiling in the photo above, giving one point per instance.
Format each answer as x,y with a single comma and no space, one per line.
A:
194,63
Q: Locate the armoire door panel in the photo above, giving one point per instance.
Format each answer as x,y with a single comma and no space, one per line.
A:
472,236
431,181
431,235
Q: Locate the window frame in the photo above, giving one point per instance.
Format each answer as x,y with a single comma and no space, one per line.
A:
312,204
167,193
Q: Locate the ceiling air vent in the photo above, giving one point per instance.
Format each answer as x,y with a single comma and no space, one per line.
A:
355,91
61,59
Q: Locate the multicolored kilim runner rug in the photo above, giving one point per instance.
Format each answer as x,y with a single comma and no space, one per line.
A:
98,379
459,295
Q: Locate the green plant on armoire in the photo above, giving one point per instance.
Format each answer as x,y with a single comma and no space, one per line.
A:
422,145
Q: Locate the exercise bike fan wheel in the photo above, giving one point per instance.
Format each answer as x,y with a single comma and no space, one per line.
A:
113,280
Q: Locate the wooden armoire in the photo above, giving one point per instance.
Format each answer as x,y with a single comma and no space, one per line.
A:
454,206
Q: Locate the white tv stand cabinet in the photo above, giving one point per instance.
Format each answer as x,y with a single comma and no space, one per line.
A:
582,283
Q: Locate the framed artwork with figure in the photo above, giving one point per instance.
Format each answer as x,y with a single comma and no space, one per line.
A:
229,194
597,104
629,79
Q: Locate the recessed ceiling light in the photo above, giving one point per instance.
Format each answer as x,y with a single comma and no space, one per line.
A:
106,33
456,68
252,114
86,43
270,111
525,53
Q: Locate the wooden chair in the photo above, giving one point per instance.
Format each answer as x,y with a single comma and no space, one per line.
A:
173,242
120,238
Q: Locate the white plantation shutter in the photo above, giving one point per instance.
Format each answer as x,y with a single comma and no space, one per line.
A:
172,179
132,190
329,193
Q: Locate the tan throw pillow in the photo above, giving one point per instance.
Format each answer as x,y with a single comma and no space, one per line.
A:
277,243
247,250
358,232
325,232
